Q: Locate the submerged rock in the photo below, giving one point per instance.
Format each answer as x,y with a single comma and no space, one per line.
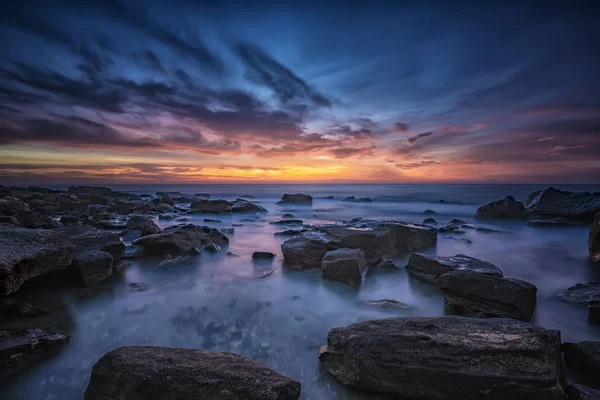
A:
429,221
430,269
180,239
210,207
290,232
446,358
93,266
581,292
487,296
353,199
296,198
594,240
287,222
144,372
27,253
241,206
171,262
20,349
345,265
583,356
581,392
377,239
552,202
288,216
386,304
262,255
429,212
507,208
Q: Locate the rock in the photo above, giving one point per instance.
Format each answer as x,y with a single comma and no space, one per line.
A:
288,216
211,206
263,273
212,248
487,296
114,225
594,308
507,208
97,190
290,232
376,238
429,221
551,202
262,255
69,220
228,231
138,287
457,221
429,212
385,264
355,200
12,206
479,228
296,198
581,293
442,201
232,254
164,208
385,304
179,239
430,269
345,265
212,220
35,220
27,253
584,357
20,349
8,219
93,266
287,222
446,358
580,392
144,372
86,238
166,199
132,252
202,195
547,222
241,206
142,224
449,228
594,240
182,219
171,262
460,239
165,217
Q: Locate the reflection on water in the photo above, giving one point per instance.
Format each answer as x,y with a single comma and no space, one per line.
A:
216,301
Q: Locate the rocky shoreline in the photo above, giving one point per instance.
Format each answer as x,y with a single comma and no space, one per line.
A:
87,233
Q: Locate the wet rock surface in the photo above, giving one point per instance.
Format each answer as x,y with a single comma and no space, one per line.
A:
507,208
581,292
486,296
142,224
345,265
241,206
93,266
446,358
142,372
296,198
429,269
20,349
584,357
180,239
551,202
211,206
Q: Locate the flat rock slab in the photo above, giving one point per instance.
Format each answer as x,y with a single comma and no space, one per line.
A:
584,356
581,292
180,239
144,372
447,358
487,296
430,269
27,253
20,349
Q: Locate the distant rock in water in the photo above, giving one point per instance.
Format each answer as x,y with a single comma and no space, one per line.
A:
584,357
202,195
210,207
296,198
20,349
241,206
288,216
487,296
581,292
552,202
290,232
446,358
594,240
144,372
378,239
430,269
507,208
287,222
429,212
429,221
355,200
262,255
345,265
180,239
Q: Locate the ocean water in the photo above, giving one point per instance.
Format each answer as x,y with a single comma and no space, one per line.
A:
217,302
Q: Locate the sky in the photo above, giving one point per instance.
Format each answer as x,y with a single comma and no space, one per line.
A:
181,91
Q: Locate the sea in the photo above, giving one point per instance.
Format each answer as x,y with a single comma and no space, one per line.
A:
220,302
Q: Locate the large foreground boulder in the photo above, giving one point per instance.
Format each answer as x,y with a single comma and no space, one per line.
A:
429,269
584,356
377,239
27,253
552,202
594,239
204,206
447,358
507,208
296,198
180,239
20,349
345,265
86,237
139,372
487,296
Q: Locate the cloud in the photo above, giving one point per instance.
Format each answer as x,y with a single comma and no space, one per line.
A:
400,127
413,139
346,152
415,165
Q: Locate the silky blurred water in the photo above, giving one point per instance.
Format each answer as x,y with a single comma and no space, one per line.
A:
216,302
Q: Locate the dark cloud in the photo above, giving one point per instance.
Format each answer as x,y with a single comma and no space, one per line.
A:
346,152
150,59
400,127
264,69
413,139
418,164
